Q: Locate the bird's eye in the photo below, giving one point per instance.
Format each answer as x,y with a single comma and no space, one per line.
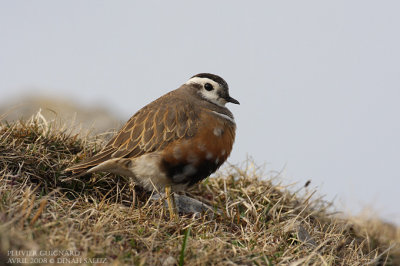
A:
208,87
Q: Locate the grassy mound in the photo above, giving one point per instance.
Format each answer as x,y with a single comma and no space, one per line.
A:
48,217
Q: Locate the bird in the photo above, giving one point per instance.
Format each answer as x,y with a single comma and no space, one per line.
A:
173,142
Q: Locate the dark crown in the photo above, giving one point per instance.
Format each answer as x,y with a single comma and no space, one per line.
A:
213,77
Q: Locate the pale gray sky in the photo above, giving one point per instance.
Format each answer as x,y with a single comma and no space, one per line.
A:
318,81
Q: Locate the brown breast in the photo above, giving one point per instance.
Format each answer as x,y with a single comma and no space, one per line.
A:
193,159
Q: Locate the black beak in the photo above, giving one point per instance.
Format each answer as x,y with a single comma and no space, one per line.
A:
231,100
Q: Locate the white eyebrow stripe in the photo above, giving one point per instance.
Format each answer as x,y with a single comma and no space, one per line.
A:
202,81
225,116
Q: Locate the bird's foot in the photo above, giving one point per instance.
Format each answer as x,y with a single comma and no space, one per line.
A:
187,205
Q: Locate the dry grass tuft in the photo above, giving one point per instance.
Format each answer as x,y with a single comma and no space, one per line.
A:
103,218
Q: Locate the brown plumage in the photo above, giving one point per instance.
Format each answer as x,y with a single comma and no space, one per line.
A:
176,140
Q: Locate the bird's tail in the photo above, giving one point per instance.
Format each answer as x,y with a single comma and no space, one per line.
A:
83,167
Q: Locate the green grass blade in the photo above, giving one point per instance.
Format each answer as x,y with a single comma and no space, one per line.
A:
182,256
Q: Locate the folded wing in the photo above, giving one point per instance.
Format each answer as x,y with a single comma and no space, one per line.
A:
149,130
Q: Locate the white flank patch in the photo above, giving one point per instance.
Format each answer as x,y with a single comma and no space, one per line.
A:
224,116
147,173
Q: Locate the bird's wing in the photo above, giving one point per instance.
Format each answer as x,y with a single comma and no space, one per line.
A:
152,128
149,130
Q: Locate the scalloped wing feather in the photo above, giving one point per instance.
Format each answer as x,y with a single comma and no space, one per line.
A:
150,129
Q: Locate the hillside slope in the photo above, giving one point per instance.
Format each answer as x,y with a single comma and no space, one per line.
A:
48,217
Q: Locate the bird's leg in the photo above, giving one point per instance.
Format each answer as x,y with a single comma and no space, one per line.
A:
171,203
